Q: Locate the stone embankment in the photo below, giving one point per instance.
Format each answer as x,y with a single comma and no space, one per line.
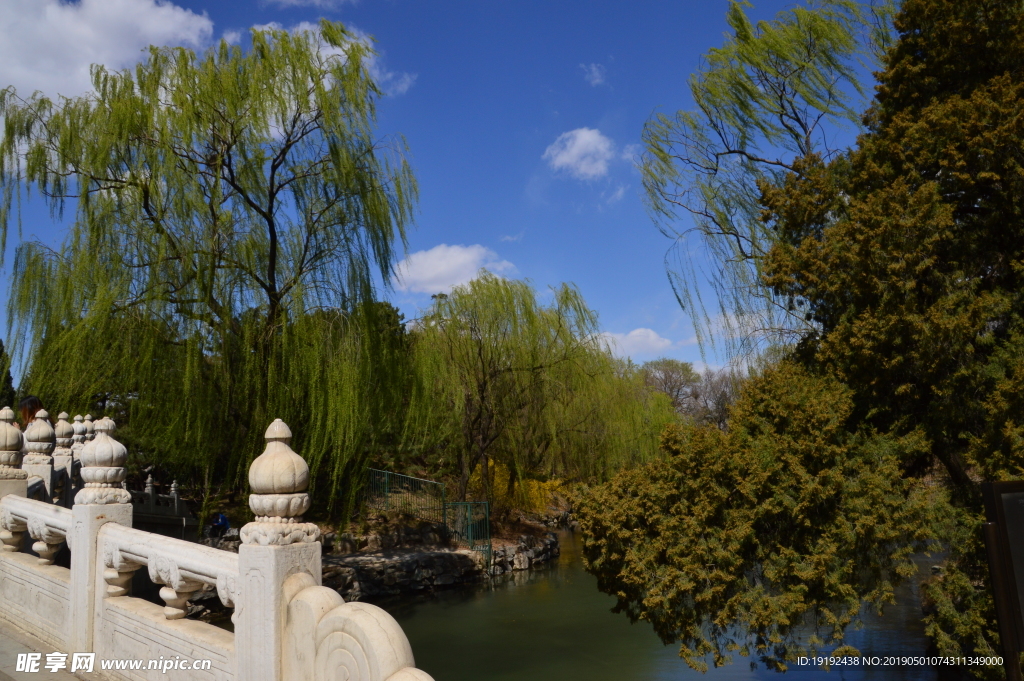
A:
372,574
367,567
528,552
394,572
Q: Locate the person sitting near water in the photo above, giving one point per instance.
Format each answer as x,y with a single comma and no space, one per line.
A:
27,409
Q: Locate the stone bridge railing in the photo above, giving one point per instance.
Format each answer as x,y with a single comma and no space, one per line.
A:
286,626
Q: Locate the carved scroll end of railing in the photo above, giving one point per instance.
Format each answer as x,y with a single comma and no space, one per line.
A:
163,569
118,570
327,639
48,539
11,530
227,589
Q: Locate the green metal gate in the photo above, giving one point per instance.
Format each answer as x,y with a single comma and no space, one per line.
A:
469,523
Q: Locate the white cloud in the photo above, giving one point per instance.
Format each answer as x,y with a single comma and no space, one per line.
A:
593,74
48,45
510,238
233,37
443,267
631,151
616,195
391,82
583,153
637,342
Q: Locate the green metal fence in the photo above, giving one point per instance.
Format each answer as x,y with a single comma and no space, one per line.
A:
389,492
468,523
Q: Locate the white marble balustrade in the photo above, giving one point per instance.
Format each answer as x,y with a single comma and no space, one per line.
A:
287,626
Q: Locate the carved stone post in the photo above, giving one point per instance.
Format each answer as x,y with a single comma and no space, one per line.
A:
77,444
40,441
62,460
64,432
78,439
149,494
277,545
13,480
101,501
90,428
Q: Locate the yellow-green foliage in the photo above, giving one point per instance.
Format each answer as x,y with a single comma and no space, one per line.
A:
906,254
739,537
530,496
501,378
773,92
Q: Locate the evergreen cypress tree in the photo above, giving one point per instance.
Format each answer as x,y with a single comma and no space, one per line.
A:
905,259
908,255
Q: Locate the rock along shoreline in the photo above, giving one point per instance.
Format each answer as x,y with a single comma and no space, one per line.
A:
376,572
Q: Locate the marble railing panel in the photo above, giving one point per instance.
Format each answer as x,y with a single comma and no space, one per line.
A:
35,598
176,563
55,520
131,628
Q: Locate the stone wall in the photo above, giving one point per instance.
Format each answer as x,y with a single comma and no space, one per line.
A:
403,561
377,574
528,552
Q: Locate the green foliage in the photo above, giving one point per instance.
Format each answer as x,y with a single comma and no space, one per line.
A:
7,393
673,377
700,398
505,380
231,210
775,92
902,260
908,256
741,540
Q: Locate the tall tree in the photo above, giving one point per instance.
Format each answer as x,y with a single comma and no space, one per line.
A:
905,255
504,379
231,210
7,393
908,254
773,93
762,540
673,377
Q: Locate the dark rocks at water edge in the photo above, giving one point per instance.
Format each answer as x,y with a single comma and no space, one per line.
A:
371,575
363,576
373,567
528,552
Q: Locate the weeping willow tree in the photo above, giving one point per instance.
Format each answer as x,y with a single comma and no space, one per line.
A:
231,211
776,91
505,380
7,392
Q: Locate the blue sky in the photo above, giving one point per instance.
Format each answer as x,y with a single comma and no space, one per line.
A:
522,119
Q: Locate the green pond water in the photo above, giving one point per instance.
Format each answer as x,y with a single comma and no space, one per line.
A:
553,624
